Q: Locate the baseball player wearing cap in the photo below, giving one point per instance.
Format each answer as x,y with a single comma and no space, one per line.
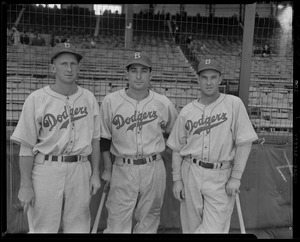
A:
211,141
58,129
133,123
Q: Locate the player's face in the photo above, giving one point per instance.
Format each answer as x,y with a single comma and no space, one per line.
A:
65,68
209,81
139,77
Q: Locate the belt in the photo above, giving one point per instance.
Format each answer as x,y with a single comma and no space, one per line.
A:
67,158
221,165
141,161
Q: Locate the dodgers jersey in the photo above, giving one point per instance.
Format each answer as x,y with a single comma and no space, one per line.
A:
51,123
211,132
136,127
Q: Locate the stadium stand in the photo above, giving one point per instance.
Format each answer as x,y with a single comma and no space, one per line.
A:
270,91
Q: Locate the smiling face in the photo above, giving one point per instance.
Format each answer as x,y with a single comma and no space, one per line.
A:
65,68
139,77
209,81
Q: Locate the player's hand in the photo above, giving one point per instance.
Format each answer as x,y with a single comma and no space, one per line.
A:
26,196
233,186
178,190
106,175
95,184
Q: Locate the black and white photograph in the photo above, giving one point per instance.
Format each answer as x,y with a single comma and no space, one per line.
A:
151,120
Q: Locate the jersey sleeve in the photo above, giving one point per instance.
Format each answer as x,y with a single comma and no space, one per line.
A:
243,130
96,134
171,116
105,119
178,136
27,129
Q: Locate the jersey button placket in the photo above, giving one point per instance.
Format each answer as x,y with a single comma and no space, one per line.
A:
72,137
139,143
71,127
139,135
206,146
206,140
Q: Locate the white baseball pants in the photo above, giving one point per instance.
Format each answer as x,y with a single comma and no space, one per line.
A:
55,184
206,208
139,187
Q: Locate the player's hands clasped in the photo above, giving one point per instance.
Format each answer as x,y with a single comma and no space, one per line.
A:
26,196
178,190
233,186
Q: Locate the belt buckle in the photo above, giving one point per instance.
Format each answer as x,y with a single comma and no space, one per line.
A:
141,161
72,158
65,159
203,164
208,165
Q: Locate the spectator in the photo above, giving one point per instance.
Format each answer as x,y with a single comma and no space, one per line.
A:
57,40
52,40
92,43
175,30
62,39
190,45
68,40
31,36
38,40
24,39
8,36
266,51
257,50
202,48
176,34
189,40
85,43
15,36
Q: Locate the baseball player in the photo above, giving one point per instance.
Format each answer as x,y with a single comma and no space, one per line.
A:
211,141
133,123
59,128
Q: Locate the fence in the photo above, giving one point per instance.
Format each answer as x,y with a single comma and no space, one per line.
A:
176,36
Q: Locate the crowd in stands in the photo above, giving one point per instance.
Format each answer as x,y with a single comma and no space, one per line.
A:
264,51
181,27
15,37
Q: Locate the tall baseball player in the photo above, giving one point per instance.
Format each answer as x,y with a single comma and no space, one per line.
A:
133,123
59,128
211,141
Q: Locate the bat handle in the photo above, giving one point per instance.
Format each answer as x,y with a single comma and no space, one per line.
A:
29,219
96,222
241,220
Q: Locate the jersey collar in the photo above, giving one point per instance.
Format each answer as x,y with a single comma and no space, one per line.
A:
63,97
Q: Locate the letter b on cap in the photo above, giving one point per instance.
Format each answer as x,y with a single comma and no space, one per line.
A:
137,55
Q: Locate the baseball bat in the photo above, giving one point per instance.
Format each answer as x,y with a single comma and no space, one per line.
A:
239,210
29,219
99,211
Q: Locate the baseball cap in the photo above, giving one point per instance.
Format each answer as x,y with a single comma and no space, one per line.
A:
139,58
65,48
209,64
